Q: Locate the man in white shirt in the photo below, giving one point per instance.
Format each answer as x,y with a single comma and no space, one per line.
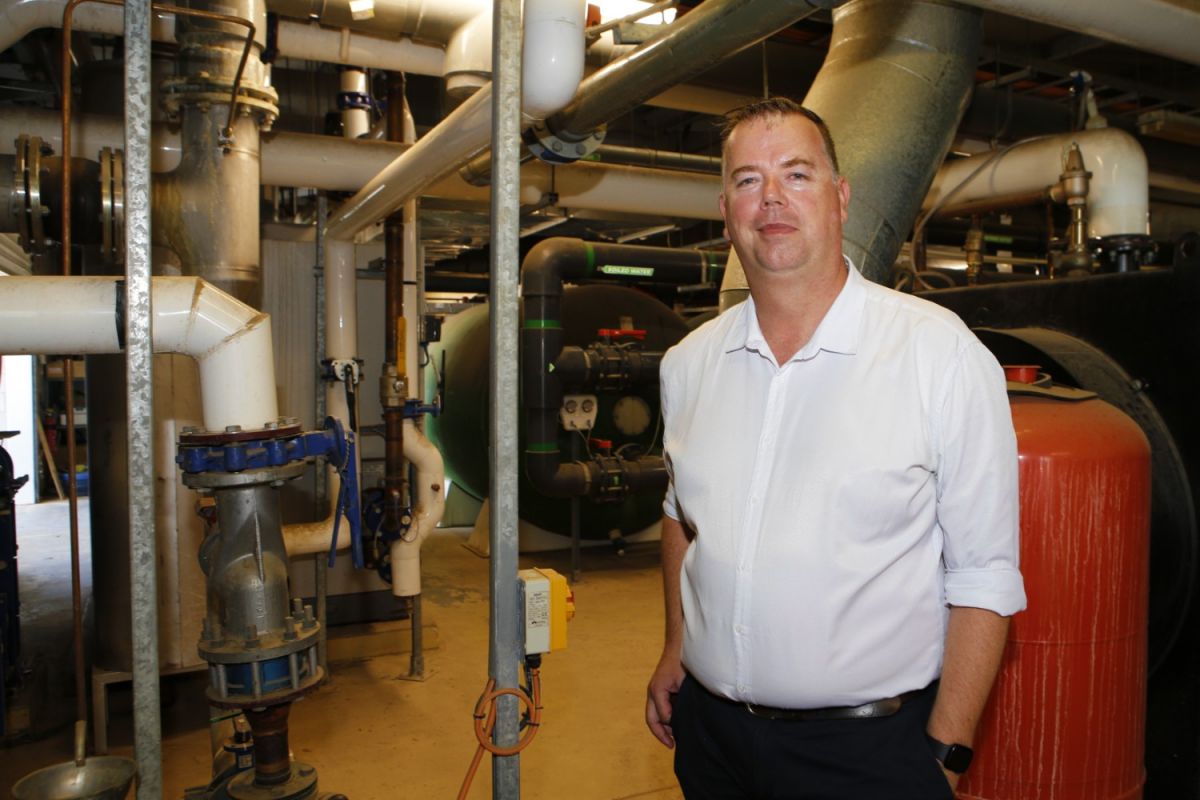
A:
839,543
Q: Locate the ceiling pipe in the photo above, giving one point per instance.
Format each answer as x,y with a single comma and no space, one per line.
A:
1165,27
885,59
230,341
1118,199
295,39
707,34
467,129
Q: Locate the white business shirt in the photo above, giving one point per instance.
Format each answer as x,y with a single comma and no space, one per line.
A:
840,501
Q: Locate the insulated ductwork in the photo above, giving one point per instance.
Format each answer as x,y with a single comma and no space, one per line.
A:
1118,195
893,88
230,341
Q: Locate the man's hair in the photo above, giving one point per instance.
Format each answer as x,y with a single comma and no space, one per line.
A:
778,107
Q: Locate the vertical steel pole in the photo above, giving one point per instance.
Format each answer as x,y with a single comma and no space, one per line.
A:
506,646
320,564
147,733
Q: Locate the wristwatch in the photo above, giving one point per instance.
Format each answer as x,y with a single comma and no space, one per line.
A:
954,757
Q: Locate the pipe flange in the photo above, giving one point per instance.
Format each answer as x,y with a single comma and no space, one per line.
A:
301,783
249,477
26,198
282,428
112,205
228,648
203,89
553,149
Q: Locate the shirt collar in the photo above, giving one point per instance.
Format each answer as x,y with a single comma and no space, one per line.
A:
838,331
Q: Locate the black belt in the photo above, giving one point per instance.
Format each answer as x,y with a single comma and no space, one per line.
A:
879,708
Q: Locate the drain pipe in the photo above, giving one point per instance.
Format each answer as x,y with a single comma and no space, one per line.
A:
547,365
230,341
886,58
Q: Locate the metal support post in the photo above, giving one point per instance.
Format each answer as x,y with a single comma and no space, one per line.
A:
505,652
147,734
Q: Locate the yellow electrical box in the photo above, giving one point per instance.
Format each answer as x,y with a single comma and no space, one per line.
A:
549,605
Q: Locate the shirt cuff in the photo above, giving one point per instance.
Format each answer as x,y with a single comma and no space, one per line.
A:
999,589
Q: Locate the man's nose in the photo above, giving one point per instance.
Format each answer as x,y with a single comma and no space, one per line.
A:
772,191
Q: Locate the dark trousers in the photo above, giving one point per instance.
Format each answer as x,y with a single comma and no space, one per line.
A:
723,752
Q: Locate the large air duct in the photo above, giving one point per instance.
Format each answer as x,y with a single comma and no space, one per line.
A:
892,89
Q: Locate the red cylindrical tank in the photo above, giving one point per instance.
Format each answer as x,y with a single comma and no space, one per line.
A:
1067,716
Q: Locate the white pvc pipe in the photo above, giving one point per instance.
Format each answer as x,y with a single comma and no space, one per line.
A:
429,505
310,41
459,137
230,341
468,64
1166,27
1118,192
356,122
295,39
554,32
341,344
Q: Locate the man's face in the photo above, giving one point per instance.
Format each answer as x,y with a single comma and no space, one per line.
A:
782,206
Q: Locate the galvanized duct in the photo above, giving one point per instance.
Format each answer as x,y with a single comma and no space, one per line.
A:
893,88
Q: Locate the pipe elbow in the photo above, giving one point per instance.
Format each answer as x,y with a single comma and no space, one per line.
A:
552,65
467,65
548,262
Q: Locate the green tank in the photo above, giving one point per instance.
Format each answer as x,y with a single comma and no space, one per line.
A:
630,419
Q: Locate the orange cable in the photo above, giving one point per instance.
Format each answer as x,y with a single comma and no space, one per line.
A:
485,720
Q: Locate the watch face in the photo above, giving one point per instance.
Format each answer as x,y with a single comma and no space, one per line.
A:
958,758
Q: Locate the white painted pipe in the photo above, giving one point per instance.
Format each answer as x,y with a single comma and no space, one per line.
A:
356,122
554,32
459,137
341,344
1118,192
311,41
1165,27
468,64
429,505
295,39
230,341
414,276
335,164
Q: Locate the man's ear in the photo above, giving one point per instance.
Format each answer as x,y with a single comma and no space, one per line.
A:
844,193
721,205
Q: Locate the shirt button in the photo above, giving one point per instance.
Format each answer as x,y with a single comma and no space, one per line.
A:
741,687
739,629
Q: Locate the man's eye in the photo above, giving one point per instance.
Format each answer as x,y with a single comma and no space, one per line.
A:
745,181
799,176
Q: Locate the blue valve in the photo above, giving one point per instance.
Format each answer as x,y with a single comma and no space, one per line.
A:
332,442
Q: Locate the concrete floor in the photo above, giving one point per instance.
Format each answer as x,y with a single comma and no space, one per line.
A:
375,736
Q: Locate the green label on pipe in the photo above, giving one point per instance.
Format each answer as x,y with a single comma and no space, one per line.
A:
542,447
633,272
997,238
542,324
591,258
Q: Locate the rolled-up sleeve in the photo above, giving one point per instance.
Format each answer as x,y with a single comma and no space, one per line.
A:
978,502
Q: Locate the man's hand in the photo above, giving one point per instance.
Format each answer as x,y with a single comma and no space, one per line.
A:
665,681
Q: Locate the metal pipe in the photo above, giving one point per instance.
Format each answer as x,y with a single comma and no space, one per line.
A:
1118,194
1164,27
230,341
712,31
143,561
505,647
393,388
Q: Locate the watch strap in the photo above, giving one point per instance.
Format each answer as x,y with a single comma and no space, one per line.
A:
954,757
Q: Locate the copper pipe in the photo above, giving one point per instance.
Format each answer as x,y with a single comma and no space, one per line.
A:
394,482
68,362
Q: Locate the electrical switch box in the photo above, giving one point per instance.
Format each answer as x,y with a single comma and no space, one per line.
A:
548,605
